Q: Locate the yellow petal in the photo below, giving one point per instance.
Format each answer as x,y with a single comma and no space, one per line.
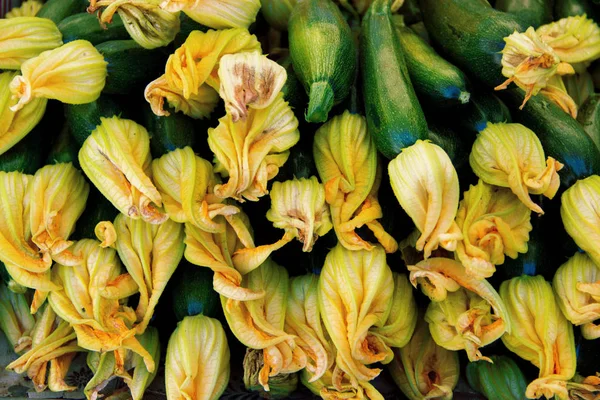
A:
15,320
105,232
29,8
556,91
26,37
337,385
116,158
279,386
217,14
574,39
74,73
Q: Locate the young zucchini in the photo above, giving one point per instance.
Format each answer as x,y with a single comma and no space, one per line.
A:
394,116
471,34
323,54
87,27
192,292
589,118
82,119
529,12
27,156
64,149
484,107
168,133
57,10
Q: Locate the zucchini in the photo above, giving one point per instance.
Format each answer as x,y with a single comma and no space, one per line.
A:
435,80
323,54
471,35
86,26
529,12
64,149
27,156
186,26
588,354
411,12
500,379
292,90
82,119
192,292
455,146
589,118
57,10
98,209
394,116
561,136
570,8
130,66
484,107
175,131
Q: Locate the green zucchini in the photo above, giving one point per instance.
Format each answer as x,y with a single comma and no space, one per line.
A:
86,26
452,143
82,119
323,54
500,380
570,8
130,66
589,118
57,10
292,90
435,80
300,164
529,12
192,292
561,136
175,131
64,149
411,12
588,354
394,116
27,156
98,209
471,35
484,107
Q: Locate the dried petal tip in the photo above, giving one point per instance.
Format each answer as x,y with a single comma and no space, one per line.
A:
280,386
26,37
105,232
574,39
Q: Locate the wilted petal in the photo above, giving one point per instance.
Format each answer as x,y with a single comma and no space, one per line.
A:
494,223
29,8
26,37
249,152
557,92
15,320
74,73
116,158
426,186
574,39
279,386
197,362
198,106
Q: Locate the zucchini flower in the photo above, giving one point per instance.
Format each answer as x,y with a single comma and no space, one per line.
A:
259,324
303,319
280,386
23,38
105,367
356,289
53,347
151,253
217,14
74,73
277,12
502,375
584,388
250,152
426,186
29,8
574,39
361,6
529,62
196,61
197,365
494,223
577,287
298,207
581,216
116,158
557,92
346,159
15,320
424,370
249,80
91,300
16,125
335,384
540,334
147,24
198,106
185,183
511,155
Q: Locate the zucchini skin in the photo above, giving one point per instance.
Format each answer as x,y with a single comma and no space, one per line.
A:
500,380
57,10
589,118
168,133
434,79
530,12
82,119
570,8
471,35
394,116
484,107
192,293
323,55
85,26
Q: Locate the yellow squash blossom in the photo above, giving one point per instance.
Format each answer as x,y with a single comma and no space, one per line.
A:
151,253
424,370
29,8
356,289
574,39
426,186
16,125
540,334
494,223
346,159
529,62
581,216
298,207
557,92
89,302
185,183
23,38
249,79
250,152
116,158
335,384
584,388
217,14
74,73
577,287
197,362
259,324
53,347
15,320
511,155
198,106
280,386
147,24
196,61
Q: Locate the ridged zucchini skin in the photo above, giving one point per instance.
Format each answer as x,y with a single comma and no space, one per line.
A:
394,116
57,10
561,136
500,380
484,107
82,119
174,131
86,26
471,35
434,79
589,118
529,12
323,55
